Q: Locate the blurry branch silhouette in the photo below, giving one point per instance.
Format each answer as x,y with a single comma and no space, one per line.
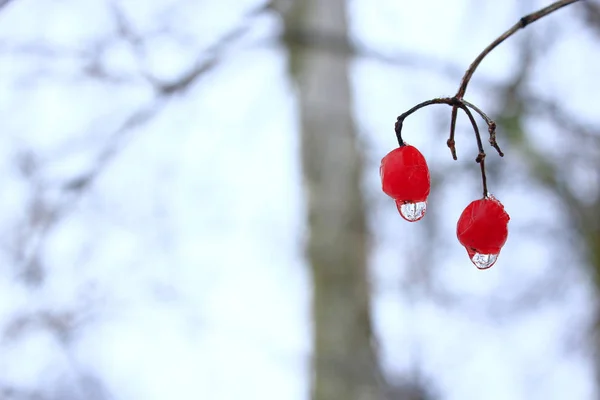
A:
206,62
62,325
86,386
552,109
45,210
317,40
49,203
4,3
591,15
76,382
210,59
164,90
11,392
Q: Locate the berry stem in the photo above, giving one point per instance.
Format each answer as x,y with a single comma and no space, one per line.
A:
481,156
402,117
451,142
483,178
475,129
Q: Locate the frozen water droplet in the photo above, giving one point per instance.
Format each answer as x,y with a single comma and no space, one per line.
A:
483,261
412,211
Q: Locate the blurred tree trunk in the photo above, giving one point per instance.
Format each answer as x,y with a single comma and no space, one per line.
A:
345,364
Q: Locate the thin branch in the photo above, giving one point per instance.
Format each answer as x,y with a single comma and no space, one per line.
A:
71,190
523,22
401,117
212,55
491,126
451,142
113,145
481,156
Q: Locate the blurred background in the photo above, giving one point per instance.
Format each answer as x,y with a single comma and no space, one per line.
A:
191,206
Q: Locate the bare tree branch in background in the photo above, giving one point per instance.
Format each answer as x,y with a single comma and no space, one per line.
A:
47,207
318,40
4,3
72,189
591,15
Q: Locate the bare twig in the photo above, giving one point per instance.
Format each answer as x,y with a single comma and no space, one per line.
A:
491,126
451,142
481,156
401,117
523,22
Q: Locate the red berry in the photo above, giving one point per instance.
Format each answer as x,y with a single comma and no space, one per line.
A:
483,228
404,174
405,178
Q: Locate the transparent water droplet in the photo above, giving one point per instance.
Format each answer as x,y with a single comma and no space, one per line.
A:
482,261
412,211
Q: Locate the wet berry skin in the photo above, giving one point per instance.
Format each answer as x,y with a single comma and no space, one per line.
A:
405,175
483,226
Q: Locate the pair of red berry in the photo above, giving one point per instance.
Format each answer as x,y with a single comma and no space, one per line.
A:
482,227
